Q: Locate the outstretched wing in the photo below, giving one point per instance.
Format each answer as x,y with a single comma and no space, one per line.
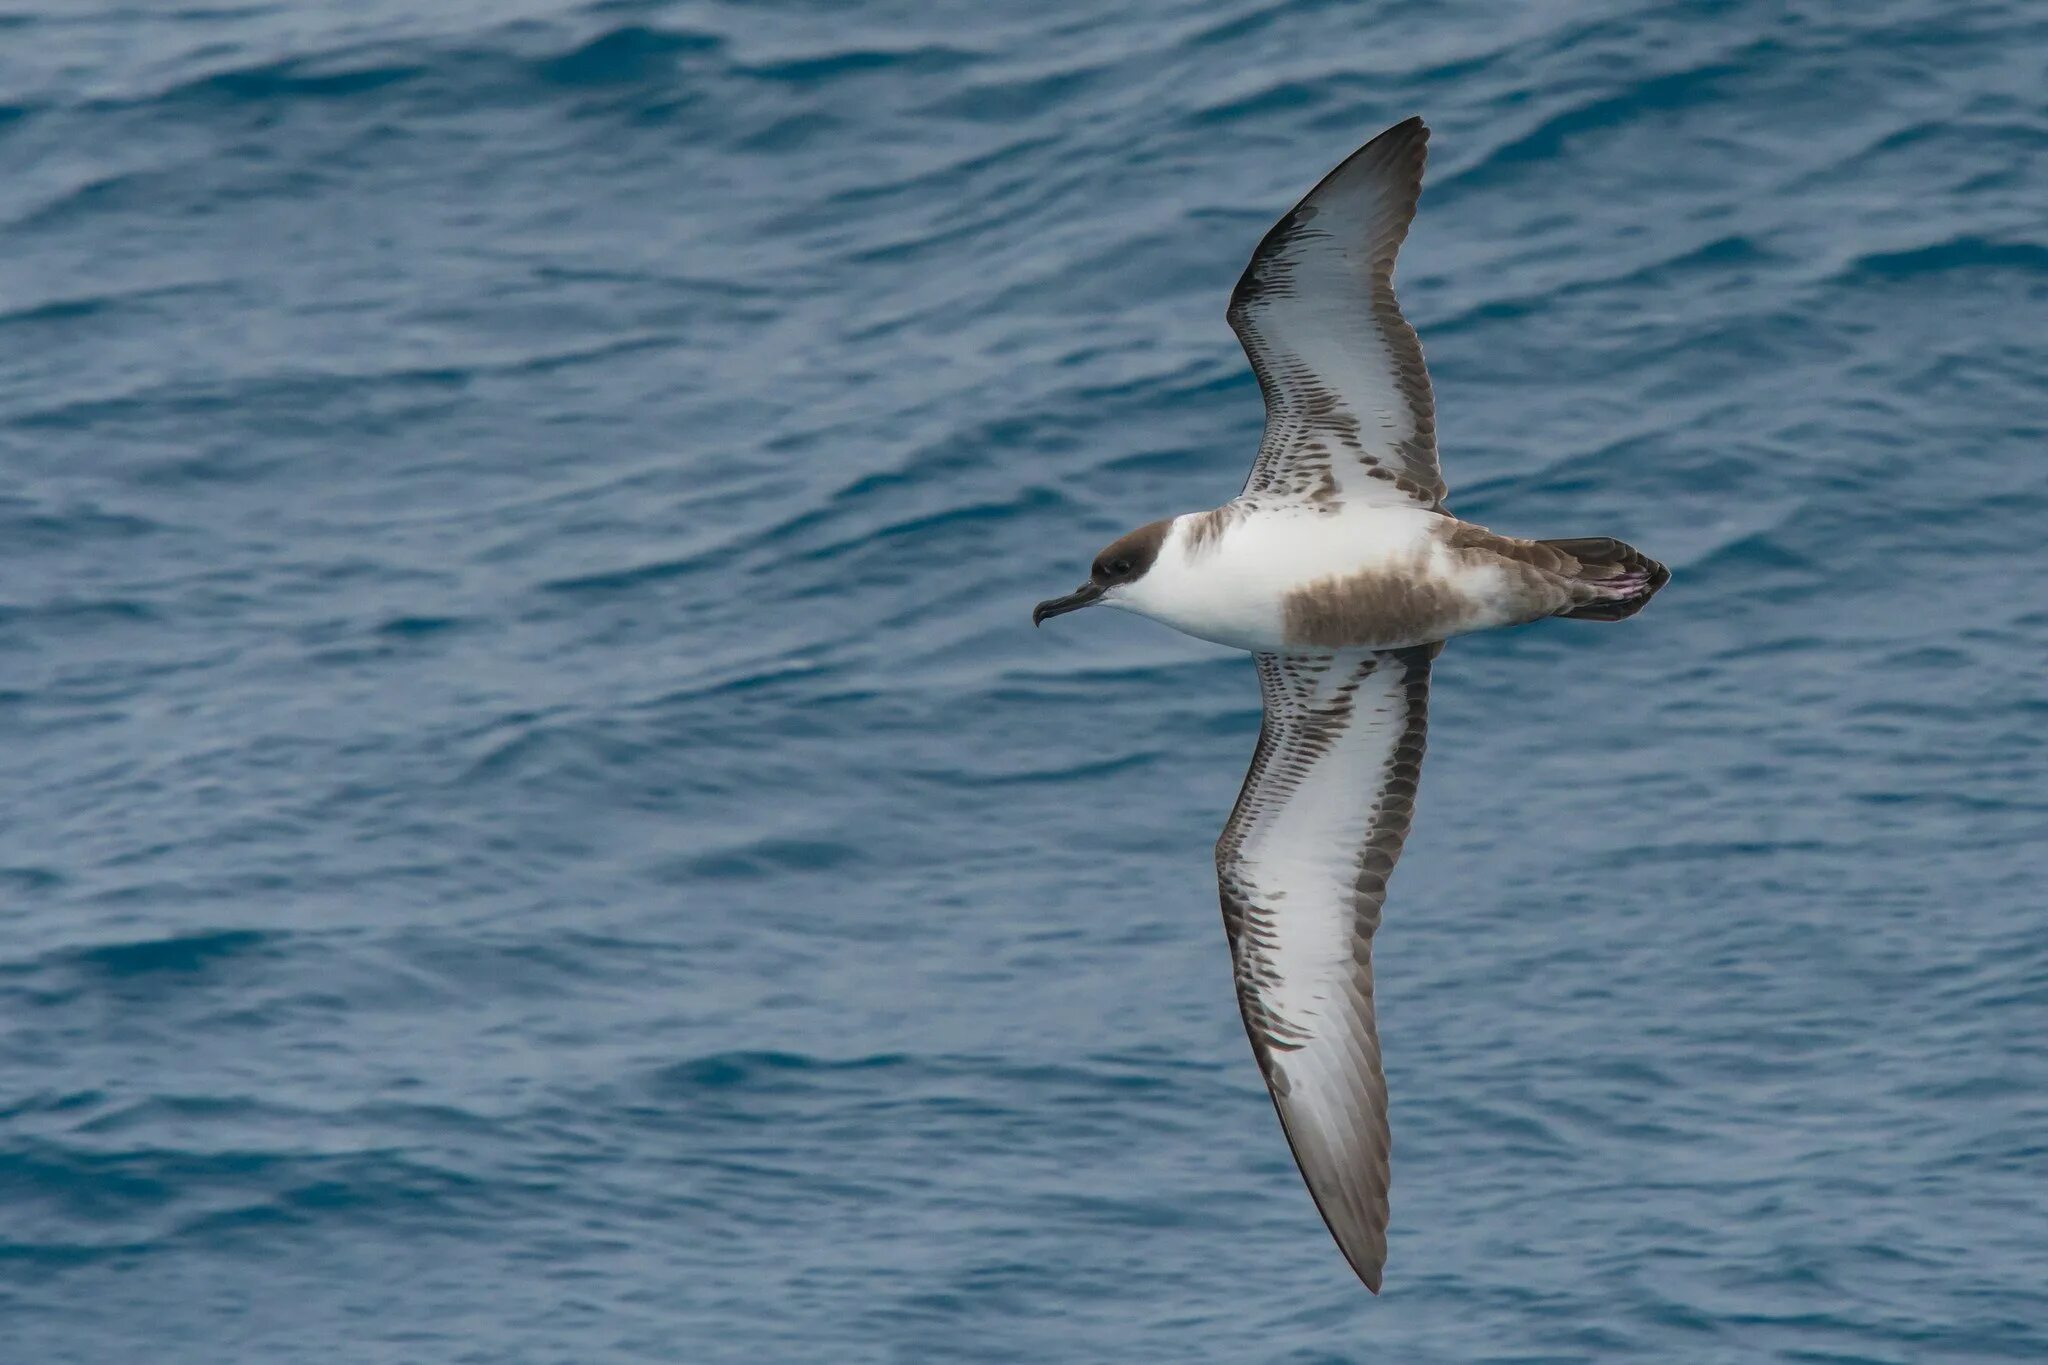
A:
1349,413
1303,868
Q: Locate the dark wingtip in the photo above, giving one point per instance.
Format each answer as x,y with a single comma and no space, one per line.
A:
1368,1274
1412,124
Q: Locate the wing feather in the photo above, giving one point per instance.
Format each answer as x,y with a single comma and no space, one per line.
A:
1302,867
1349,412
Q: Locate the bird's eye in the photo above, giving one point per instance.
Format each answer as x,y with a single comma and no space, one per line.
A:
1121,566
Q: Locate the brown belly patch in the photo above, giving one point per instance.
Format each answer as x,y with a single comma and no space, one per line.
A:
1371,609
1387,607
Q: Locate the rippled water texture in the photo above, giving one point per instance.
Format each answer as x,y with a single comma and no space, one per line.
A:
534,825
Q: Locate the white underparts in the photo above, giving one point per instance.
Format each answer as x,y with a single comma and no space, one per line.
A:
1273,571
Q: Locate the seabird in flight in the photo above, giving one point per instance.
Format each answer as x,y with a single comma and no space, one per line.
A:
1342,571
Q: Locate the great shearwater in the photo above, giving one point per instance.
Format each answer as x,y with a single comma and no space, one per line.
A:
1342,571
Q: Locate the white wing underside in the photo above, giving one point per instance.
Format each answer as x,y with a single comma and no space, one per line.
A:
1349,413
1302,867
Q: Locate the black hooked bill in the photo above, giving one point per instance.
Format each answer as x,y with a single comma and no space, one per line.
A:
1085,595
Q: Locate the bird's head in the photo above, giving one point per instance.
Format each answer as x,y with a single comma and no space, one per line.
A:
1114,574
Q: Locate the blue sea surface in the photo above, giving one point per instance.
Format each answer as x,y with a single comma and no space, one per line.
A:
534,825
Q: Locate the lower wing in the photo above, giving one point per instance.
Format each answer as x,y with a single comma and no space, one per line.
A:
1302,867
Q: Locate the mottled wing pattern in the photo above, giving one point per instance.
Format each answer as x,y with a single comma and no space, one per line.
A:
1302,867
1349,413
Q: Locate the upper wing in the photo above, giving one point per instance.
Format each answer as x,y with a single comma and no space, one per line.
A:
1303,868
1349,413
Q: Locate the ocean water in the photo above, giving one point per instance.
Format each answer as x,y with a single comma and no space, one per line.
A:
534,826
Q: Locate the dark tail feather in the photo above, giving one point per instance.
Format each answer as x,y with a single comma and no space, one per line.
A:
1600,559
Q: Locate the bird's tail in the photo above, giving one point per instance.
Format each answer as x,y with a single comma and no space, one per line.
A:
1623,577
